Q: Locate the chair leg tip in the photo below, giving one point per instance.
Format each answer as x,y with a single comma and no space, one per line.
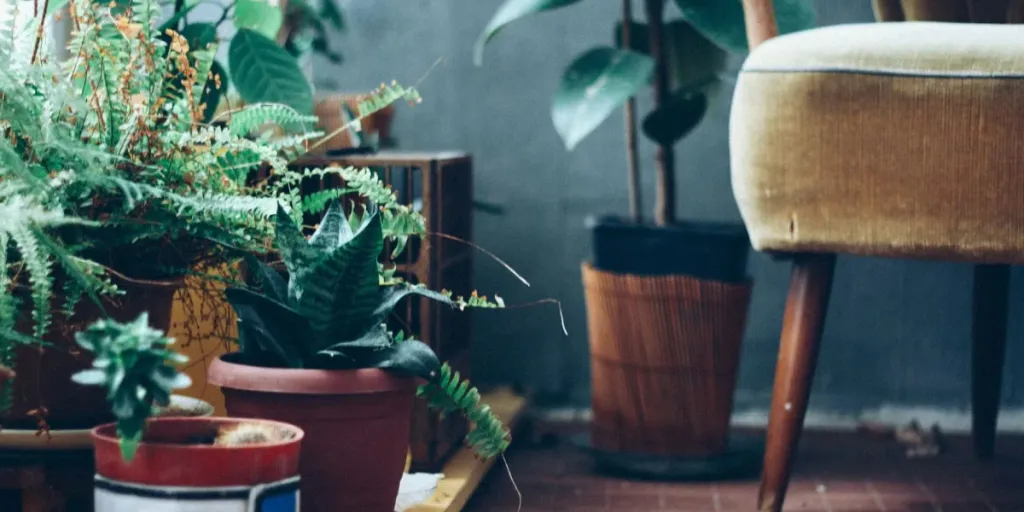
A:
766,502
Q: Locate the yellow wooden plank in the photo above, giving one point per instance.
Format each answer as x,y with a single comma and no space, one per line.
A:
464,472
195,329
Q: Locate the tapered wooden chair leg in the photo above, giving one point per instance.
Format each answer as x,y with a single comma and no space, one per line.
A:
803,322
990,314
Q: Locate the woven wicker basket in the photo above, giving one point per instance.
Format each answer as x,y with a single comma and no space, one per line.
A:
664,354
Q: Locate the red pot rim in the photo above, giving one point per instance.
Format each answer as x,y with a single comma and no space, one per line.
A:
180,464
232,375
107,433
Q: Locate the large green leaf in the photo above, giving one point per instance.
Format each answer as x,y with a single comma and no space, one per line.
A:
593,86
334,229
510,11
392,295
299,257
722,20
674,120
172,22
259,16
268,279
340,294
199,35
276,327
410,357
693,60
376,338
263,72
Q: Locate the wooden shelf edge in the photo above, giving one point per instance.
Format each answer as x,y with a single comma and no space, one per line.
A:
464,472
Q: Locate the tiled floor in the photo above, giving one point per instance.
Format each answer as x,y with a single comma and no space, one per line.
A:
837,472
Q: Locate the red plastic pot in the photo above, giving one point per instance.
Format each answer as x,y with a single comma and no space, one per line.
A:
175,468
356,424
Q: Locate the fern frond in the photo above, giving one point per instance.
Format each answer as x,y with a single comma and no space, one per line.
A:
448,393
385,95
315,202
146,13
8,317
475,300
253,117
39,265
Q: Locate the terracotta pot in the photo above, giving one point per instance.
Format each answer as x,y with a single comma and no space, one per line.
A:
43,375
356,424
172,470
664,352
328,109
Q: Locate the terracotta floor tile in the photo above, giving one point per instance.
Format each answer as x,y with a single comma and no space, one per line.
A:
835,472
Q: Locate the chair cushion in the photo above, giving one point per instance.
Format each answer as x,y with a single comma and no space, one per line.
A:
890,139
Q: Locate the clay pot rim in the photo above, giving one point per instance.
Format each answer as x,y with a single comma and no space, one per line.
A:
230,374
107,433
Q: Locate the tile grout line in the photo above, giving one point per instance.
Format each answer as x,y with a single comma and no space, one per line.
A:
874,495
716,498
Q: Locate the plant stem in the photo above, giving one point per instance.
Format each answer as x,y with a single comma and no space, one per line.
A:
632,158
179,5
665,200
39,31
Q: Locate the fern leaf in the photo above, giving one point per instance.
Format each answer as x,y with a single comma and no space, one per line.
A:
384,96
256,116
39,265
448,393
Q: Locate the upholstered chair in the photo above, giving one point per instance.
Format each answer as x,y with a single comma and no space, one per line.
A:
900,139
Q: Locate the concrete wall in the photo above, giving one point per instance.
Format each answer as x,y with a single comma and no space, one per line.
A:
896,342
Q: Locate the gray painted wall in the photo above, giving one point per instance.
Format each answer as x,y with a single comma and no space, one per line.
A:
896,341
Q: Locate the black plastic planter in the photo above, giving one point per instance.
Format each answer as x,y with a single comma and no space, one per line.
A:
703,250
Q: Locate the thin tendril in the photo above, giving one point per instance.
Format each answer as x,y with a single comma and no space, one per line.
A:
513,480
485,251
561,316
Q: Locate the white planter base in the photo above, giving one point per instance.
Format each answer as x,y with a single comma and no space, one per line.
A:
114,496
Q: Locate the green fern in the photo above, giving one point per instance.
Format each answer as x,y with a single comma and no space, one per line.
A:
254,117
315,202
386,95
474,301
449,393
106,154
8,317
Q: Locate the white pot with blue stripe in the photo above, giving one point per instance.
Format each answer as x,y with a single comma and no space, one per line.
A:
114,496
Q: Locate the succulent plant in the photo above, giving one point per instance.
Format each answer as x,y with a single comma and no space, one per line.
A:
135,363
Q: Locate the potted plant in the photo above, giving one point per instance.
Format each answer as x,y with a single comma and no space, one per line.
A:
111,194
177,463
315,351
664,388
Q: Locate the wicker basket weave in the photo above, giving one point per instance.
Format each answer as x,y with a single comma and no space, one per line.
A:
664,354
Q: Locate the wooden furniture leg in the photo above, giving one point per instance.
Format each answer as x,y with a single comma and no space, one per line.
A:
806,304
990,314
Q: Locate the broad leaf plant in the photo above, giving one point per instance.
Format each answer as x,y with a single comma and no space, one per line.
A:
331,313
682,59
